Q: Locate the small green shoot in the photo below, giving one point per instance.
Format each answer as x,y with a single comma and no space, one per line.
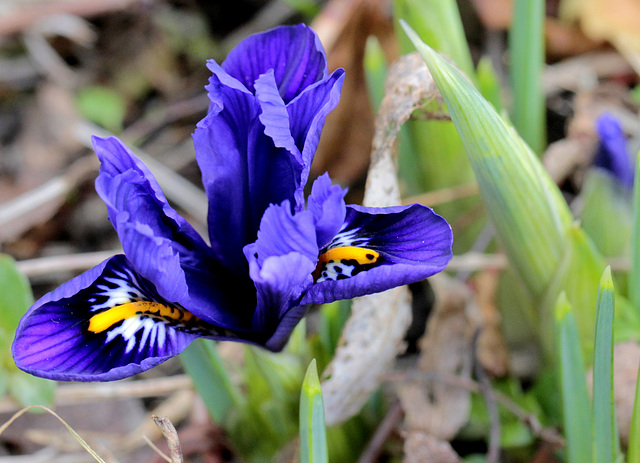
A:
313,437
576,409
605,435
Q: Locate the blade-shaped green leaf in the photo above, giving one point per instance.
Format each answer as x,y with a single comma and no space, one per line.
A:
605,436
576,409
313,437
526,207
526,46
211,379
578,275
438,23
634,273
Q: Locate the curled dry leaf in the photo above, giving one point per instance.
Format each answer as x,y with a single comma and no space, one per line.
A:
373,336
423,448
434,407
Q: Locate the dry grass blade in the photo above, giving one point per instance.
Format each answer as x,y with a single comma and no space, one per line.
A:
155,448
69,428
374,334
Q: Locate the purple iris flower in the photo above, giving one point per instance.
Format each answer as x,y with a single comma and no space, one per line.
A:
612,154
271,255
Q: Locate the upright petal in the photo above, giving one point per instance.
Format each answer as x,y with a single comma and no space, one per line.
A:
161,245
108,323
242,172
293,52
326,203
296,127
307,113
380,248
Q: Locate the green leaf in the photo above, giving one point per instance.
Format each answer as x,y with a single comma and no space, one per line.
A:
526,207
438,23
606,202
605,436
573,386
103,106
313,437
489,84
30,390
15,295
526,46
202,362
634,273
578,274
375,68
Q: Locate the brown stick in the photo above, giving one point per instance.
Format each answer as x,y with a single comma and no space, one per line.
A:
169,432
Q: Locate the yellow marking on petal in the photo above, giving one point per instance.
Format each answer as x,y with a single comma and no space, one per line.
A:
344,254
105,320
362,256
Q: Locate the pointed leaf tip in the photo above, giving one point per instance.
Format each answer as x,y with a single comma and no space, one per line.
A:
562,307
311,383
606,282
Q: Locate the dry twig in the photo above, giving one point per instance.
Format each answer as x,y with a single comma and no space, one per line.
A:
170,433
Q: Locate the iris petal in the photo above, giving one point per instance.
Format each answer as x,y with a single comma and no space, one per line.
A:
380,248
160,244
326,203
307,113
612,154
281,263
242,172
294,52
106,324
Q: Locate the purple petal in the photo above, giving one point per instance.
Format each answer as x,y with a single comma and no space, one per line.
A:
143,197
162,246
326,203
281,233
280,283
274,115
286,325
108,323
293,52
402,245
242,172
281,263
308,112
613,155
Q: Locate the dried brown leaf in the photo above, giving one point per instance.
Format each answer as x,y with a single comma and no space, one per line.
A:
423,448
434,407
